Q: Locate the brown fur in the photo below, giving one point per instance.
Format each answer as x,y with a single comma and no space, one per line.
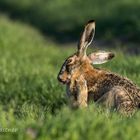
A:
86,83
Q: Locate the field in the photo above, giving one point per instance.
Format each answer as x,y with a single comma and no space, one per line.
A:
33,102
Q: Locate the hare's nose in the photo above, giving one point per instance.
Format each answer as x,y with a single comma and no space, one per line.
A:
60,78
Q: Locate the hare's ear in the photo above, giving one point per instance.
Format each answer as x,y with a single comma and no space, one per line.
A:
86,37
100,57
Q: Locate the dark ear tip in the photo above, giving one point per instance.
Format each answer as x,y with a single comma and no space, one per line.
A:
111,55
91,21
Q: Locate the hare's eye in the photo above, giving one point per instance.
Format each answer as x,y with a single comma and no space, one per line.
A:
69,61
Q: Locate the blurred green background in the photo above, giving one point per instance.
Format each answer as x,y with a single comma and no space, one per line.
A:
63,19
33,35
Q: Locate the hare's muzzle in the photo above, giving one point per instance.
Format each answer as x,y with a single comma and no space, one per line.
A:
60,79
63,79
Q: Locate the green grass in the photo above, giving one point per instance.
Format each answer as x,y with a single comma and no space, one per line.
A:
32,100
63,19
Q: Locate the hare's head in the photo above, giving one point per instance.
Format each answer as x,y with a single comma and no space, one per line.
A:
80,60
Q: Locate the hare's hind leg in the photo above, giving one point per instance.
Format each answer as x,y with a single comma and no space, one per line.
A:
108,100
124,103
117,98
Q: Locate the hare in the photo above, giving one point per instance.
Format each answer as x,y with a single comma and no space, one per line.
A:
85,83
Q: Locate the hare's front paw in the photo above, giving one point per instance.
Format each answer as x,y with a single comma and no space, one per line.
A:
81,84
82,91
